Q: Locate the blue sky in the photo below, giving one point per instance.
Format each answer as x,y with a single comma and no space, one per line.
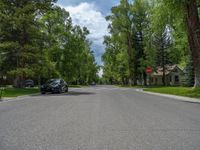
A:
91,13
102,5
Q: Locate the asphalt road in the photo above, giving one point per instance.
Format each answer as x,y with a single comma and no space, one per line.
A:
99,118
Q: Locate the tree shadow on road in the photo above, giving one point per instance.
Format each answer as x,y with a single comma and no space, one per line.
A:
70,93
190,102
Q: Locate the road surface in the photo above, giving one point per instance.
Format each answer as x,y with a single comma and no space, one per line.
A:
99,118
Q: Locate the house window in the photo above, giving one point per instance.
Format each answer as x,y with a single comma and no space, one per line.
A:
176,78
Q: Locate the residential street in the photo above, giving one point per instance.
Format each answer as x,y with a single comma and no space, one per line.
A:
99,118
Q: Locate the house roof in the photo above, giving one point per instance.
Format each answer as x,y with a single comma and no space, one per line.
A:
169,69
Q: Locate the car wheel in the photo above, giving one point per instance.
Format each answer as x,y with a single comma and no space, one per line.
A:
60,90
66,90
43,92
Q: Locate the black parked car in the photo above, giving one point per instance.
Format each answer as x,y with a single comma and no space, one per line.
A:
29,83
54,86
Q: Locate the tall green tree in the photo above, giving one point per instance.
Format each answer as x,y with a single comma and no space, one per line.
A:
20,37
68,47
147,33
122,28
38,40
162,43
140,12
188,11
115,62
128,28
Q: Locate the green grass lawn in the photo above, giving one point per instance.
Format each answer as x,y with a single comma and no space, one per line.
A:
14,92
74,86
179,91
127,86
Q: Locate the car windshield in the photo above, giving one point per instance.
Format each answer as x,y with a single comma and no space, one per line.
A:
28,80
53,81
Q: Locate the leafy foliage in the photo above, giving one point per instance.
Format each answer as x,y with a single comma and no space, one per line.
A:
39,39
148,33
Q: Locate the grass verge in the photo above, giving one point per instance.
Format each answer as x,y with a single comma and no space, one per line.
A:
14,92
179,91
74,86
127,86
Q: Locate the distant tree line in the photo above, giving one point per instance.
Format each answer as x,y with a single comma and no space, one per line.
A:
39,41
152,33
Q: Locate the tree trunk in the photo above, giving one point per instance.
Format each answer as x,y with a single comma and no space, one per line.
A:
193,25
130,61
197,78
164,76
163,65
145,78
18,82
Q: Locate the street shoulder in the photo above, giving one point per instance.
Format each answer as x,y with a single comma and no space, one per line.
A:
181,98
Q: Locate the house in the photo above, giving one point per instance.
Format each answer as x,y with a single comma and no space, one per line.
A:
173,75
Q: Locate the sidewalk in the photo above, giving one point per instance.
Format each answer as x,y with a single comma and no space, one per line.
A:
181,98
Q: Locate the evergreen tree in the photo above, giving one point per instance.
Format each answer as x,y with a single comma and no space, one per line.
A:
20,37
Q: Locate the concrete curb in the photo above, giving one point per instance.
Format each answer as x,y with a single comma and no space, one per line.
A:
181,98
7,99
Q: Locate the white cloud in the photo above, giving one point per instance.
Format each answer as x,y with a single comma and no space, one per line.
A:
100,73
87,14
